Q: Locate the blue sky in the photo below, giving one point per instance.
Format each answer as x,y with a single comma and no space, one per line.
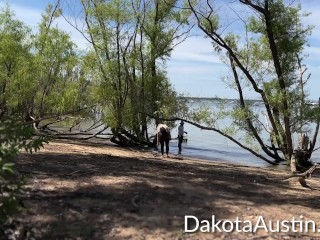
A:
194,69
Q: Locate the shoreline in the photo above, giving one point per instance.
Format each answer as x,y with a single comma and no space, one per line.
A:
149,153
193,157
90,191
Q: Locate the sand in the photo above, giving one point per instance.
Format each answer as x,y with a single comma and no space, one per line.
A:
80,190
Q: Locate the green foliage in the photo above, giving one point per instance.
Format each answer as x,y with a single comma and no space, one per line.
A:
59,80
202,114
131,43
312,113
41,74
265,59
289,33
14,137
211,23
14,52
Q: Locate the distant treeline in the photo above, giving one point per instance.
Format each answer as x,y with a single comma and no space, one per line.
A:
217,99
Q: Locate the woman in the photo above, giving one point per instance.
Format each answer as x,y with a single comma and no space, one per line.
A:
163,137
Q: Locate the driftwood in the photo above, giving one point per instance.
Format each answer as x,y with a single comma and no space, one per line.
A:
97,133
120,137
302,177
124,138
307,174
75,135
136,139
121,140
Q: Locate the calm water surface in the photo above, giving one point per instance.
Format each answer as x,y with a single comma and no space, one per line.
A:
209,145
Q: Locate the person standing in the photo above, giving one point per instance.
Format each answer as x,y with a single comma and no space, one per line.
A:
180,136
163,137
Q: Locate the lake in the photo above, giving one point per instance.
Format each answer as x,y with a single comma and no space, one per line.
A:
209,145
205,144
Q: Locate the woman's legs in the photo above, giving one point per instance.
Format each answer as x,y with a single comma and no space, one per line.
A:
167,147
162,146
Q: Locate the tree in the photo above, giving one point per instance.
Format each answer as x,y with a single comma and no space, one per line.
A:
60,81
265,61
40,74
110,32
163,26
127,58
14,62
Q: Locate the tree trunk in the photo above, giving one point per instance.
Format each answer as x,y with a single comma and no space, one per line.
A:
293,164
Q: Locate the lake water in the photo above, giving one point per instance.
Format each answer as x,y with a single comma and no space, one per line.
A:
205,144
209,145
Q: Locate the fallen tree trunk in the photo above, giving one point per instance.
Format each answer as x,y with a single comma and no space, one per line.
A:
135,139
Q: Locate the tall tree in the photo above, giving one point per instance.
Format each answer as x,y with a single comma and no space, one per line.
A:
266,62
60,81
110,33
41,73
14,62
164,26
130,53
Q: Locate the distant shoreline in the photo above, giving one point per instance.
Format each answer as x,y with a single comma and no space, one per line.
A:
311,101
217,99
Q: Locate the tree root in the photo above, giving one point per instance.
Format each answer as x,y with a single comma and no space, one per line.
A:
307,174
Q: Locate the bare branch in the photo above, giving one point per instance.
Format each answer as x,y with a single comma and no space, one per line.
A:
215,37
55,116
76,28
218,131
57,4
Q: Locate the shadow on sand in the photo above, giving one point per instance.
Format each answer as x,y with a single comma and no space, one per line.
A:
95,196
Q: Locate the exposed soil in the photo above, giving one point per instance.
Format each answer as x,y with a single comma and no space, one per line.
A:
94,191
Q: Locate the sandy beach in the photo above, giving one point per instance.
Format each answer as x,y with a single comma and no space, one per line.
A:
80,190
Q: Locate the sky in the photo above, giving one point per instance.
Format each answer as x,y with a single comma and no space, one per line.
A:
193,69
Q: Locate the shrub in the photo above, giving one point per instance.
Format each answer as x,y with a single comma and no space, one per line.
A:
14,137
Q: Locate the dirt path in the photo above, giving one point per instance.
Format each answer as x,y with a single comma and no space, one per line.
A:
85,191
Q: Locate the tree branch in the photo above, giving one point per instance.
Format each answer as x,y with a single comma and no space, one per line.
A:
215,37
55,116
218,131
